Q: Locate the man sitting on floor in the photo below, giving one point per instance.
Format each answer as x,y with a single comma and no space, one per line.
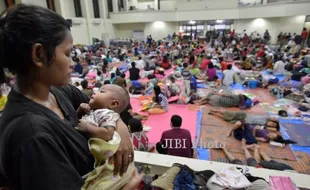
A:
176,141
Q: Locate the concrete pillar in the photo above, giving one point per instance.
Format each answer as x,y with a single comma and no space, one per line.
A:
265,2
87,16
105,35
126,5
115,6
156,4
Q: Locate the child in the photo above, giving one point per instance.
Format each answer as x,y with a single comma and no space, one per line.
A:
174,88
104,141
139,138
186,79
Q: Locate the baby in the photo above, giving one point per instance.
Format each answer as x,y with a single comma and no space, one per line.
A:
99,124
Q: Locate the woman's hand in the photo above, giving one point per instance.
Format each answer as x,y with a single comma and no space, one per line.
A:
125,153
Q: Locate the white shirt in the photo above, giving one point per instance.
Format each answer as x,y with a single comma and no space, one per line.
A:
228,77
140,64
279,68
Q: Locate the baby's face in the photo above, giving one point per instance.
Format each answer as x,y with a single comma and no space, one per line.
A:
105,98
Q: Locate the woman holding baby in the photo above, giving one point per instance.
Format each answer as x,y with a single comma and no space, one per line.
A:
40,147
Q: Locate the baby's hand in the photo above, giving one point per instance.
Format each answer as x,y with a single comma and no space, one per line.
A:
84,126
84,108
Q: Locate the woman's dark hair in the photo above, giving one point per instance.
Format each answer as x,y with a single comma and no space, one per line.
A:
282,113
210,65
84,84
23,26
157,91
276,122
135,125
280,139
106,82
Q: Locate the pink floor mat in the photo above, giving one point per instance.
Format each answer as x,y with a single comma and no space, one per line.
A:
161,123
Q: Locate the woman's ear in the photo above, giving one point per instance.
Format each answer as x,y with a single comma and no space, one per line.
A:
38,54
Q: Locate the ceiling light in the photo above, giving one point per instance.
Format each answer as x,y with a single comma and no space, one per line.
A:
192,22
219,21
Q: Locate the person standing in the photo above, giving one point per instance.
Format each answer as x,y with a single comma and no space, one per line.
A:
304,36
176,141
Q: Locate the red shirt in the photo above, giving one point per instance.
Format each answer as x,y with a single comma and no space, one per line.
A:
304,34
204,64
224,65
178,142
165,65
260,53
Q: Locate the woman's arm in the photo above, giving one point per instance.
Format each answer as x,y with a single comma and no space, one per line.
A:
125,153
260,139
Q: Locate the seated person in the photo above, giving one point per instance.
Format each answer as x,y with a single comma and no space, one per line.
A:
99,124
153,81
86,90
134,73
211,72
138,137
228,76
246,63
169,140
160,102
173,87
166,63
279,67
226,99
121,81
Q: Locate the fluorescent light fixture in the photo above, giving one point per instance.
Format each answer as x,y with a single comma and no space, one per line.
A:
192,22
219,21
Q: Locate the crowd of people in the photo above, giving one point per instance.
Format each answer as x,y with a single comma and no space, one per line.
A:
59,130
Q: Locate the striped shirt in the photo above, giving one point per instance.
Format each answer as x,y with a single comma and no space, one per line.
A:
186,74
163,101
227,100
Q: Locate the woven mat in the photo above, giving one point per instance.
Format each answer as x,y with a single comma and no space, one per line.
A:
301,165
216,129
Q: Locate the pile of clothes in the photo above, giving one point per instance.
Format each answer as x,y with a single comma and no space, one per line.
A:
181,177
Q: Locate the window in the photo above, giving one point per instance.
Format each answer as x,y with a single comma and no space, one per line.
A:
96,8
77,7
51,5
110,6
9,3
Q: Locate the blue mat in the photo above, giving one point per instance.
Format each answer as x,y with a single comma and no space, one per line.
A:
219,74
201,85
203,153
286,136
238,87
280,77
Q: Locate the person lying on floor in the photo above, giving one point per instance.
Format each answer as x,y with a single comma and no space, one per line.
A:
256,133
226,99
237,118
256,161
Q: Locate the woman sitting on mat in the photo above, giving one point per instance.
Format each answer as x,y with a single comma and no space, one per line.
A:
237,118
226,99
160,102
